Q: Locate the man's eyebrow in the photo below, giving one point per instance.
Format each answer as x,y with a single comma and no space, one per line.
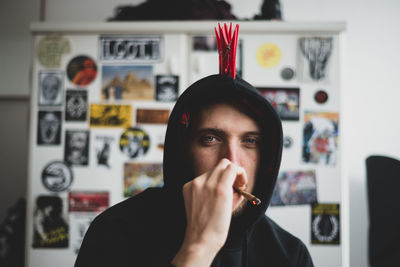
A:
220,132
252,133
215,131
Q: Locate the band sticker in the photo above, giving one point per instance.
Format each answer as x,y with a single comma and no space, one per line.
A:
315,57
153,116
286,101
51,49
106,115
268,55
76,105
49,128
76,147
57,176
134,142
140,176
325,224
320,137
167,88
128,82
87,201
50,225
104,146
51,88
82,70
132,49
295,188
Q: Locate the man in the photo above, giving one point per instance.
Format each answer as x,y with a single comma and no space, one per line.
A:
222,137
221,134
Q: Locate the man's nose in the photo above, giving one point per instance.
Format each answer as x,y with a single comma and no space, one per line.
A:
231,152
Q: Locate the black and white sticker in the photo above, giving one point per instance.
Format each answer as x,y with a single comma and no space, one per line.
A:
325,224
131,48
57,176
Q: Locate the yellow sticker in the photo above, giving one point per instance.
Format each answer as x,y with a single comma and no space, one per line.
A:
110,115
51,49
268,55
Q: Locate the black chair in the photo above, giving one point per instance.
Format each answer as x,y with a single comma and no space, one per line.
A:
383,181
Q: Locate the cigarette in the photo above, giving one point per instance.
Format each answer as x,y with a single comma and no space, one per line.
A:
253,199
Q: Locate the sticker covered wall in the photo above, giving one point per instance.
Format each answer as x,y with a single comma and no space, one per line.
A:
101,101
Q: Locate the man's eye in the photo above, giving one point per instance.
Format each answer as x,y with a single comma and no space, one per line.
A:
208,139
250,141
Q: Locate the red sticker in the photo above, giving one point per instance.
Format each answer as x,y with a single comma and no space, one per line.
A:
321,96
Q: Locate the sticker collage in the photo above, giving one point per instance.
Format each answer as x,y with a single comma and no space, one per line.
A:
125,128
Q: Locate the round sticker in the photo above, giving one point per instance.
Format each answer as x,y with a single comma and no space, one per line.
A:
51,49
287,142
81,70
287,73
134,142
57,176
321,96
268,55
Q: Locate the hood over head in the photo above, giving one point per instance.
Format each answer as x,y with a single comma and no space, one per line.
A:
215,89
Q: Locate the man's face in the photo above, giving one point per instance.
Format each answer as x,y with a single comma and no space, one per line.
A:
222,131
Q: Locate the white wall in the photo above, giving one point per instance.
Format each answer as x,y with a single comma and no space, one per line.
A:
370,96
16,45
371,87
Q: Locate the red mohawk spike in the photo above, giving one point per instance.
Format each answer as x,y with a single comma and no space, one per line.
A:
227,44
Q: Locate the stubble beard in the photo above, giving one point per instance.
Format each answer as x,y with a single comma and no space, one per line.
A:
240,208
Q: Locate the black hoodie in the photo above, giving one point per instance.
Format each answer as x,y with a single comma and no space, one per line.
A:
148,229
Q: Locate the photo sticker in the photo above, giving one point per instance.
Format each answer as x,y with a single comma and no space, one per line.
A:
320,137
76,105
50,227
295,188
51,88
134,142
286,101
104,115
49,128
76,147
57,176
140,176
82,70
127,82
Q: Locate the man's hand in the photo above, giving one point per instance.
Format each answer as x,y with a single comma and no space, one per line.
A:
209,201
